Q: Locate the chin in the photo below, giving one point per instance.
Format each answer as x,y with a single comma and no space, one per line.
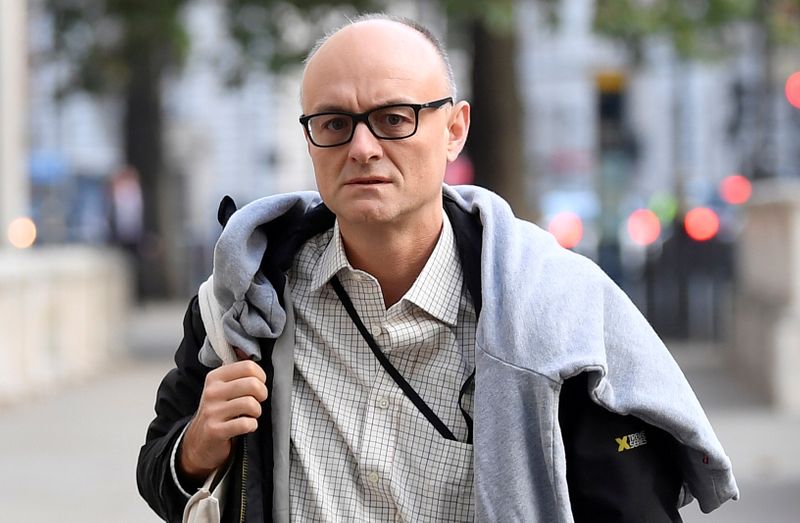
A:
365,213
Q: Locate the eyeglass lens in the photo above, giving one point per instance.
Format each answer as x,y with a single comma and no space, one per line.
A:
392,122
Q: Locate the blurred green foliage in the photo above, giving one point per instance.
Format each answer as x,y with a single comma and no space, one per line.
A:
696,27
276,33
104,40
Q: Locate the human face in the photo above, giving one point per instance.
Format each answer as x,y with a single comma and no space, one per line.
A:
368,180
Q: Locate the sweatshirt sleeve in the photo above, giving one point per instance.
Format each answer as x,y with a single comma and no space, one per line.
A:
619,468
176,402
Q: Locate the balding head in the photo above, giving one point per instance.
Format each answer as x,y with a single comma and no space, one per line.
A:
370,43
416,26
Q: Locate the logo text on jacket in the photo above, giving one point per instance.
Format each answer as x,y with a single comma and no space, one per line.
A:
631,441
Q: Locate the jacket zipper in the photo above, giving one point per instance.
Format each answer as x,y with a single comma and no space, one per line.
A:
243,494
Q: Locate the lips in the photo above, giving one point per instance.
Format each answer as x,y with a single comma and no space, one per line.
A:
368,181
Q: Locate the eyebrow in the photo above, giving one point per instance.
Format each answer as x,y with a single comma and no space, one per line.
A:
333,108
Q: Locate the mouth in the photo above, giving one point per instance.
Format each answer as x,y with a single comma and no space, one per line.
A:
367,181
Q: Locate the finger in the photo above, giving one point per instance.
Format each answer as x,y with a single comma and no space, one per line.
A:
245,424
238,426
241,387
238,407
241,355
239,369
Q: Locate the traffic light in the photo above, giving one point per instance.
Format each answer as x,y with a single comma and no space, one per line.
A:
701,224
735,189
644,227
567,227
793,89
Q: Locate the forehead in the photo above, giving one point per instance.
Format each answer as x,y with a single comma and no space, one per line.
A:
371,63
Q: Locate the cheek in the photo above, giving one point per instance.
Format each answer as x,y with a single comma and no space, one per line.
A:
428,158
322,171
434,162
429,173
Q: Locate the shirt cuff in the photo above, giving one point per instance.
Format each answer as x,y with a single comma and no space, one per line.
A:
172,461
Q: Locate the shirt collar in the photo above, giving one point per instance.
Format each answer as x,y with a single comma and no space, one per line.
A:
333,260
437,289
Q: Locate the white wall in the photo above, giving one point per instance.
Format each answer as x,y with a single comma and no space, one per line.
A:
62,313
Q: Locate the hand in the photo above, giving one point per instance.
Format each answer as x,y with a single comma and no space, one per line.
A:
229,406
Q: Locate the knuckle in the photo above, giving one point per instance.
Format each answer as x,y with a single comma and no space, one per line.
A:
213,375
253,368
253,384
244,387
211,389
243,407
212,411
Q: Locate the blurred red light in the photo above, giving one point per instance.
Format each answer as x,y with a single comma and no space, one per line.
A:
701,224
644,226
567,227
793,89
735,189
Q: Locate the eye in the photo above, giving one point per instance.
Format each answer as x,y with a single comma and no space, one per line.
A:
395,119
335,123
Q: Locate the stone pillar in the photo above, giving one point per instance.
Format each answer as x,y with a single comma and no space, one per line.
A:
62,308
13,105
766,331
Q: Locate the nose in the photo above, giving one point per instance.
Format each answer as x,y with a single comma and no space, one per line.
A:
364,147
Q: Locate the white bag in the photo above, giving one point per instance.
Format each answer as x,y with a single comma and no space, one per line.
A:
206,505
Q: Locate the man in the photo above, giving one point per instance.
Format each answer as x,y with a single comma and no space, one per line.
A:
366,333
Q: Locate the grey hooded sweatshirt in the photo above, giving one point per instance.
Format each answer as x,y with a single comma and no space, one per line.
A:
548,314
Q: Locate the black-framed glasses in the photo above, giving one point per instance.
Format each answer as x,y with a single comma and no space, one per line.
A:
388,122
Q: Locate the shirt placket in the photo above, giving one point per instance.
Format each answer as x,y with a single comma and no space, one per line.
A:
378,433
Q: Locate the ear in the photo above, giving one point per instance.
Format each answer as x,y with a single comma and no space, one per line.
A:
458,130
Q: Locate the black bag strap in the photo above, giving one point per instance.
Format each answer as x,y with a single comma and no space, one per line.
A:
467,417
398,378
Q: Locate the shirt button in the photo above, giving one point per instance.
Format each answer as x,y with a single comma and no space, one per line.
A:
383,403
373,477
376,330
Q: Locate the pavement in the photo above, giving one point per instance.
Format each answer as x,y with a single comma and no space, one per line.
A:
69,454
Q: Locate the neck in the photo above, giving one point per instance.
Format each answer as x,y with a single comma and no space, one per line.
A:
394,254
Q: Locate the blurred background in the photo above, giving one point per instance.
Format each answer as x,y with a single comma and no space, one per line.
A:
659,138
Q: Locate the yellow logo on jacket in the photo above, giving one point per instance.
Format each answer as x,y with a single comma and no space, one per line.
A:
631,441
